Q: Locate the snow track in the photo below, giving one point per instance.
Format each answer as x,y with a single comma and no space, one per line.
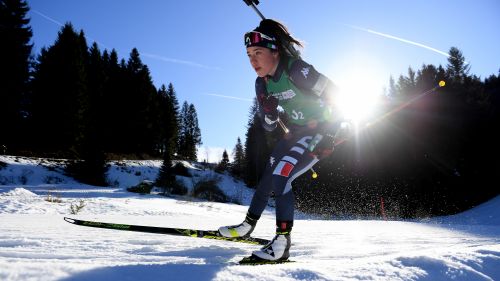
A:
37,244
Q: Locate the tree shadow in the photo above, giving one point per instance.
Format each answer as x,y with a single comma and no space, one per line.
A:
150,272
201,263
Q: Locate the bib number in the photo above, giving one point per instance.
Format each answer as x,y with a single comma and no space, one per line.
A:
297,115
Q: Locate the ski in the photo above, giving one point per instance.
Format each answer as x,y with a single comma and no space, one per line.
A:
208,234
254,260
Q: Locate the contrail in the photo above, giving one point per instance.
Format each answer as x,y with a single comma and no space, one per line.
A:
47,17
398,39
229,97
153,56
172,60
60,24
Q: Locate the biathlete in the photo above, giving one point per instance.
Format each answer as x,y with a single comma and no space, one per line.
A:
308,99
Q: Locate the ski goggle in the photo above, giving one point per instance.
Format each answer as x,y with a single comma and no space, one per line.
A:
255,38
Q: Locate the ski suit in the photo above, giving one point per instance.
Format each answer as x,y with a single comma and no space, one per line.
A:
304,95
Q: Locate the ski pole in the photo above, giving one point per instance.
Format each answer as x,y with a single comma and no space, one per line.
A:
283,126
253,4
391,112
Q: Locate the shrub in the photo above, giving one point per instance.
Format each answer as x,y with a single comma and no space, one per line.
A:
181,170
53,199
209,190
176,188
89,171
143,187
75,209
220,169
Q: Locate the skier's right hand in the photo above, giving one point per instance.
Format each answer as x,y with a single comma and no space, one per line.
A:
271,118
270,121
269,104
269,110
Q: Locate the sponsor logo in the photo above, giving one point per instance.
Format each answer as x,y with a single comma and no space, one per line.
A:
286,95
305,71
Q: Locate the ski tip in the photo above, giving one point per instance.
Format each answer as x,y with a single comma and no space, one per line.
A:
70,220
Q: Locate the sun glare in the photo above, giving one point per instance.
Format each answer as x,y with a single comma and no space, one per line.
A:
360,77
359,92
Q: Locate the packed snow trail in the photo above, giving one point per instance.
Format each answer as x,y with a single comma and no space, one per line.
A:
37,244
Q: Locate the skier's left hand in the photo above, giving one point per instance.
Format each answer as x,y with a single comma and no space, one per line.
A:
321,145
344,132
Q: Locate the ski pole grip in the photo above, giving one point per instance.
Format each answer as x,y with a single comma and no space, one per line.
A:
251,2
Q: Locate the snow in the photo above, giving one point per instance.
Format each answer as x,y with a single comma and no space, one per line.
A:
37,244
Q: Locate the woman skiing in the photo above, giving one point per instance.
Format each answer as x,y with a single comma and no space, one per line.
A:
306,97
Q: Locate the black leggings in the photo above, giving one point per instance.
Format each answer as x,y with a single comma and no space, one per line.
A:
289,159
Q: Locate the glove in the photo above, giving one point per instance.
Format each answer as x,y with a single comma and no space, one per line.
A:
321,145
270,119
269,108
269,104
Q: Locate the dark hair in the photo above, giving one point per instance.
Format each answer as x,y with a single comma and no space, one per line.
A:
283,37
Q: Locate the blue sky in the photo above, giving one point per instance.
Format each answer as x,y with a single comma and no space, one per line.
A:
198,45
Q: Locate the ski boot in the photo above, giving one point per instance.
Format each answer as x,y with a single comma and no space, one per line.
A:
278,249
243,229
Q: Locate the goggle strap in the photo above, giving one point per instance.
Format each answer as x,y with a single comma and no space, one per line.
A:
255,38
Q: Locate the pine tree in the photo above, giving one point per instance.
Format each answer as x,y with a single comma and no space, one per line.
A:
114,100
183,132
146,113
457,68
427,77
172,118
393,91
66,98
238,166
223,164
15,58
168,116
412,81
163,112
60,97
92,167
189,133
136,103
407,84
133,106
166,176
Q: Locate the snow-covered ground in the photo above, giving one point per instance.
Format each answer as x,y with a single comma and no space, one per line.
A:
37,244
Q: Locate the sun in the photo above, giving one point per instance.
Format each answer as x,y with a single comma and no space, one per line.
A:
360,77
357,101
359,93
